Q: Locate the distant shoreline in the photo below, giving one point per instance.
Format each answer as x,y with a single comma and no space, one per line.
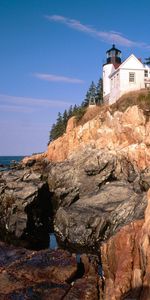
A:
8,161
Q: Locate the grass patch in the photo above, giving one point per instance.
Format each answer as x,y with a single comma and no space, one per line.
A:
140,98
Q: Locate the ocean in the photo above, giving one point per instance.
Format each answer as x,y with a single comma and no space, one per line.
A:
6,161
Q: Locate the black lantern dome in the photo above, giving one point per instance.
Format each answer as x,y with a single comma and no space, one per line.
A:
113,56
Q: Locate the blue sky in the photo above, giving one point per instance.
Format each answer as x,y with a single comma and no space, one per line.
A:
50,51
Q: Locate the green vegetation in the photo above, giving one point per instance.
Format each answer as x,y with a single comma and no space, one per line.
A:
147,61
94,95
59,127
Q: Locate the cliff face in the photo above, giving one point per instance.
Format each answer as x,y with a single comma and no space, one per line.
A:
126,261
126,255
126,134
98,186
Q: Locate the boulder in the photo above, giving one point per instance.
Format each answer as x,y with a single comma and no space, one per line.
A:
95,218
95,192
81,175
25,206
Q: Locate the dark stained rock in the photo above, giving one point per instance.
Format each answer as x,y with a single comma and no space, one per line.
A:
145,179
85,173
93,194
2,166
24,273
87,286
83,289
81,175
45,275
39,291
95,218
25,205
9,254
31,162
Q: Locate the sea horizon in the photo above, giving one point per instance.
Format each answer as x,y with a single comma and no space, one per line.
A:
7,160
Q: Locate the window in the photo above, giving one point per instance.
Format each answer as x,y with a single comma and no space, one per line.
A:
146,73
132,77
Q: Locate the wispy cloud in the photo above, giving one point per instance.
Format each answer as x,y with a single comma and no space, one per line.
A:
107,36
27,105
56,78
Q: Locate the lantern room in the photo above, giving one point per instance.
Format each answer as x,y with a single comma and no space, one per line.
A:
113,56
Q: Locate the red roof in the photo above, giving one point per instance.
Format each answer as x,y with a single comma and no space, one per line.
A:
116,66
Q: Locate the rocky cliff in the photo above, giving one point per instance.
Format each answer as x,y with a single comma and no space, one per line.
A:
123,133
126,261
122,141
93,181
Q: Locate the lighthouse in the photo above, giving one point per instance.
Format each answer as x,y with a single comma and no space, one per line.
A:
113,61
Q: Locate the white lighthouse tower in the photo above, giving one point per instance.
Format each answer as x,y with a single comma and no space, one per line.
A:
113,61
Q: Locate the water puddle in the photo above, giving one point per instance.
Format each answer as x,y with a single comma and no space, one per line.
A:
53,245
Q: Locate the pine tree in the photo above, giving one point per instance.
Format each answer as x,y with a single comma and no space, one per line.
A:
85,102
99,92
57,129
65,118
147,61
90,95
75,110
70,111
52,134
93,95
92,89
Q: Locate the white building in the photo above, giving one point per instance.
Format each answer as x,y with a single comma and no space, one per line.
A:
122,77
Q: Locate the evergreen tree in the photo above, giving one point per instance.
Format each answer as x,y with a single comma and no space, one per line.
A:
65,118
85,102
75,110
99,92
92,89
90,95
93,95
70,111
52,134
147,62
57,129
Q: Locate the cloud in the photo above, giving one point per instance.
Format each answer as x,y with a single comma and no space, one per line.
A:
27,105
56,78
107,36
75,24
15,108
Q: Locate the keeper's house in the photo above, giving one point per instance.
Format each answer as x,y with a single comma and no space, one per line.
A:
122,77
